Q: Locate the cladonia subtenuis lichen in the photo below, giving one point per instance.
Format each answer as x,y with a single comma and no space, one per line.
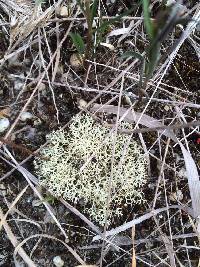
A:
78,167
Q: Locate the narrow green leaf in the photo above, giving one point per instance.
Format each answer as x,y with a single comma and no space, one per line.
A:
94,9
147,19
78,42
153,56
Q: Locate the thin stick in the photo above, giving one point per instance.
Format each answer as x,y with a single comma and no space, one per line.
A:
160,128
15,243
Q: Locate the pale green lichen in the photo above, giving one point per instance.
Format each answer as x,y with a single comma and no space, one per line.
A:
79,167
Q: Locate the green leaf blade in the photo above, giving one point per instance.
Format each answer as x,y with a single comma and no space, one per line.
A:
78,42
147,19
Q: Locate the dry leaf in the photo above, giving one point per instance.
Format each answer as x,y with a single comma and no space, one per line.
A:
131,117
138,220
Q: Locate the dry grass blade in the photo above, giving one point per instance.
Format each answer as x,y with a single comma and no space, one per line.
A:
39,82
193,180
131,117
18,247
193,177
47,206
133,254
14,242
26,24
70,207
26,175
81,216
168,245
12,205
142,218
161,128
37,77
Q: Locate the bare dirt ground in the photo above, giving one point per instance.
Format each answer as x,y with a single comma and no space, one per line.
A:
42,88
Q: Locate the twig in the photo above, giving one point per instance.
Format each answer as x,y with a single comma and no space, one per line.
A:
39,82
133,243
3,219
27,175
21,148
142,218
95,18
161,128
110,109
15,242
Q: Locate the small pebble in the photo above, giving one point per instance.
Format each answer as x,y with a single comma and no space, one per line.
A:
3,190
82,103
58,262
4,124
166,108
13,21
37,122
64,77
76,61
179,195
42,87
18,85
29,199
5,112
26,116
128,100
64,11
152,151
151,186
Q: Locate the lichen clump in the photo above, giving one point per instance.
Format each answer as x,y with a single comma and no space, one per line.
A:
78,167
